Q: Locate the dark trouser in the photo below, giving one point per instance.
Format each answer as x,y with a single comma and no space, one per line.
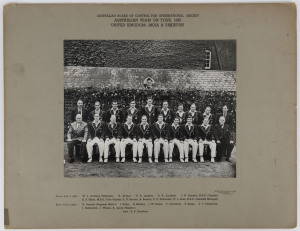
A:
224,149
82,149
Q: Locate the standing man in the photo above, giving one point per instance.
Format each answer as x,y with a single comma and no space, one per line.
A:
77,134
79,110
114,111
206,137
181,114
96,111
160,136
167,113
190,136
128,137
224,140
226,115
113,135
208,115
195,115
144,137
96,136
150,111
175,137
135,113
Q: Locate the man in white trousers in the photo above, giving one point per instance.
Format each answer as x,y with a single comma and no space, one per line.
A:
112,136
160,136
144,137
190,136
128,137
95,136
175,138
206,137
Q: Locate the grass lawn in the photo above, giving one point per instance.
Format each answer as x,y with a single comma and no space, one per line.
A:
145,169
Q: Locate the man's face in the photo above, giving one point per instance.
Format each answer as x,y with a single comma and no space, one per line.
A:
193,108
207,111
79,104
160,119
144,120
180,108
149,101
165,105
132,104
96,117
129,119
113,119
225,109
205,122
222,120
97,106
189,120
115,105
78,118
176,121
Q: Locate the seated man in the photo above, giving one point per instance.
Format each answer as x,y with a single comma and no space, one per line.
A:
128,137
95,136
175,137
77,134
190,136
160,136
206,136
144,137
224,140
112,136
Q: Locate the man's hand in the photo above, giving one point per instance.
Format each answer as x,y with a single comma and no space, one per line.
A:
213,141
101,140
134,139
231,142
69,140
84,141
200,141
218,141
89,140
156,140
166,140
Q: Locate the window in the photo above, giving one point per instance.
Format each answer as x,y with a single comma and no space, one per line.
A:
207,59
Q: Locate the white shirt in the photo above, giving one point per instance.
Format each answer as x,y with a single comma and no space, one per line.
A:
160,125
165,111
96,123
149,107
129,125
78,125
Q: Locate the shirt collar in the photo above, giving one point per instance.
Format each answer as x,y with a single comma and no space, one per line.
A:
165,110
175,125
114,110
188,124
112,123
144,124
148,105
128,124
161,123
206,114
95,121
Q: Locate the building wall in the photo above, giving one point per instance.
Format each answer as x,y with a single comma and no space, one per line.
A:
133,78
157,54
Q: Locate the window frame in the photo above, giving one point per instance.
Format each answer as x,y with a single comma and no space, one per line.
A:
207,59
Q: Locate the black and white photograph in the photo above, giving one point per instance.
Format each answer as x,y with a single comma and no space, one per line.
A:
150,108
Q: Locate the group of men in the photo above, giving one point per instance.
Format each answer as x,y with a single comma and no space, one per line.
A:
152,128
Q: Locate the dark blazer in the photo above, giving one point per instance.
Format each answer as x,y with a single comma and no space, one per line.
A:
206,134
143,133
159,133
228,119
189,134
211,118
136,116
151,115
175,133
94,130
196,117
182,117
113,131
92,113
74,112
224,135
119,116
128,132
78,134
169,117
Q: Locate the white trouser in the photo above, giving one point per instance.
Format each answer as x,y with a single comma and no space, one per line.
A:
211,145
117,147
149,146
89,146
123,145
187,144
157,144
179,145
